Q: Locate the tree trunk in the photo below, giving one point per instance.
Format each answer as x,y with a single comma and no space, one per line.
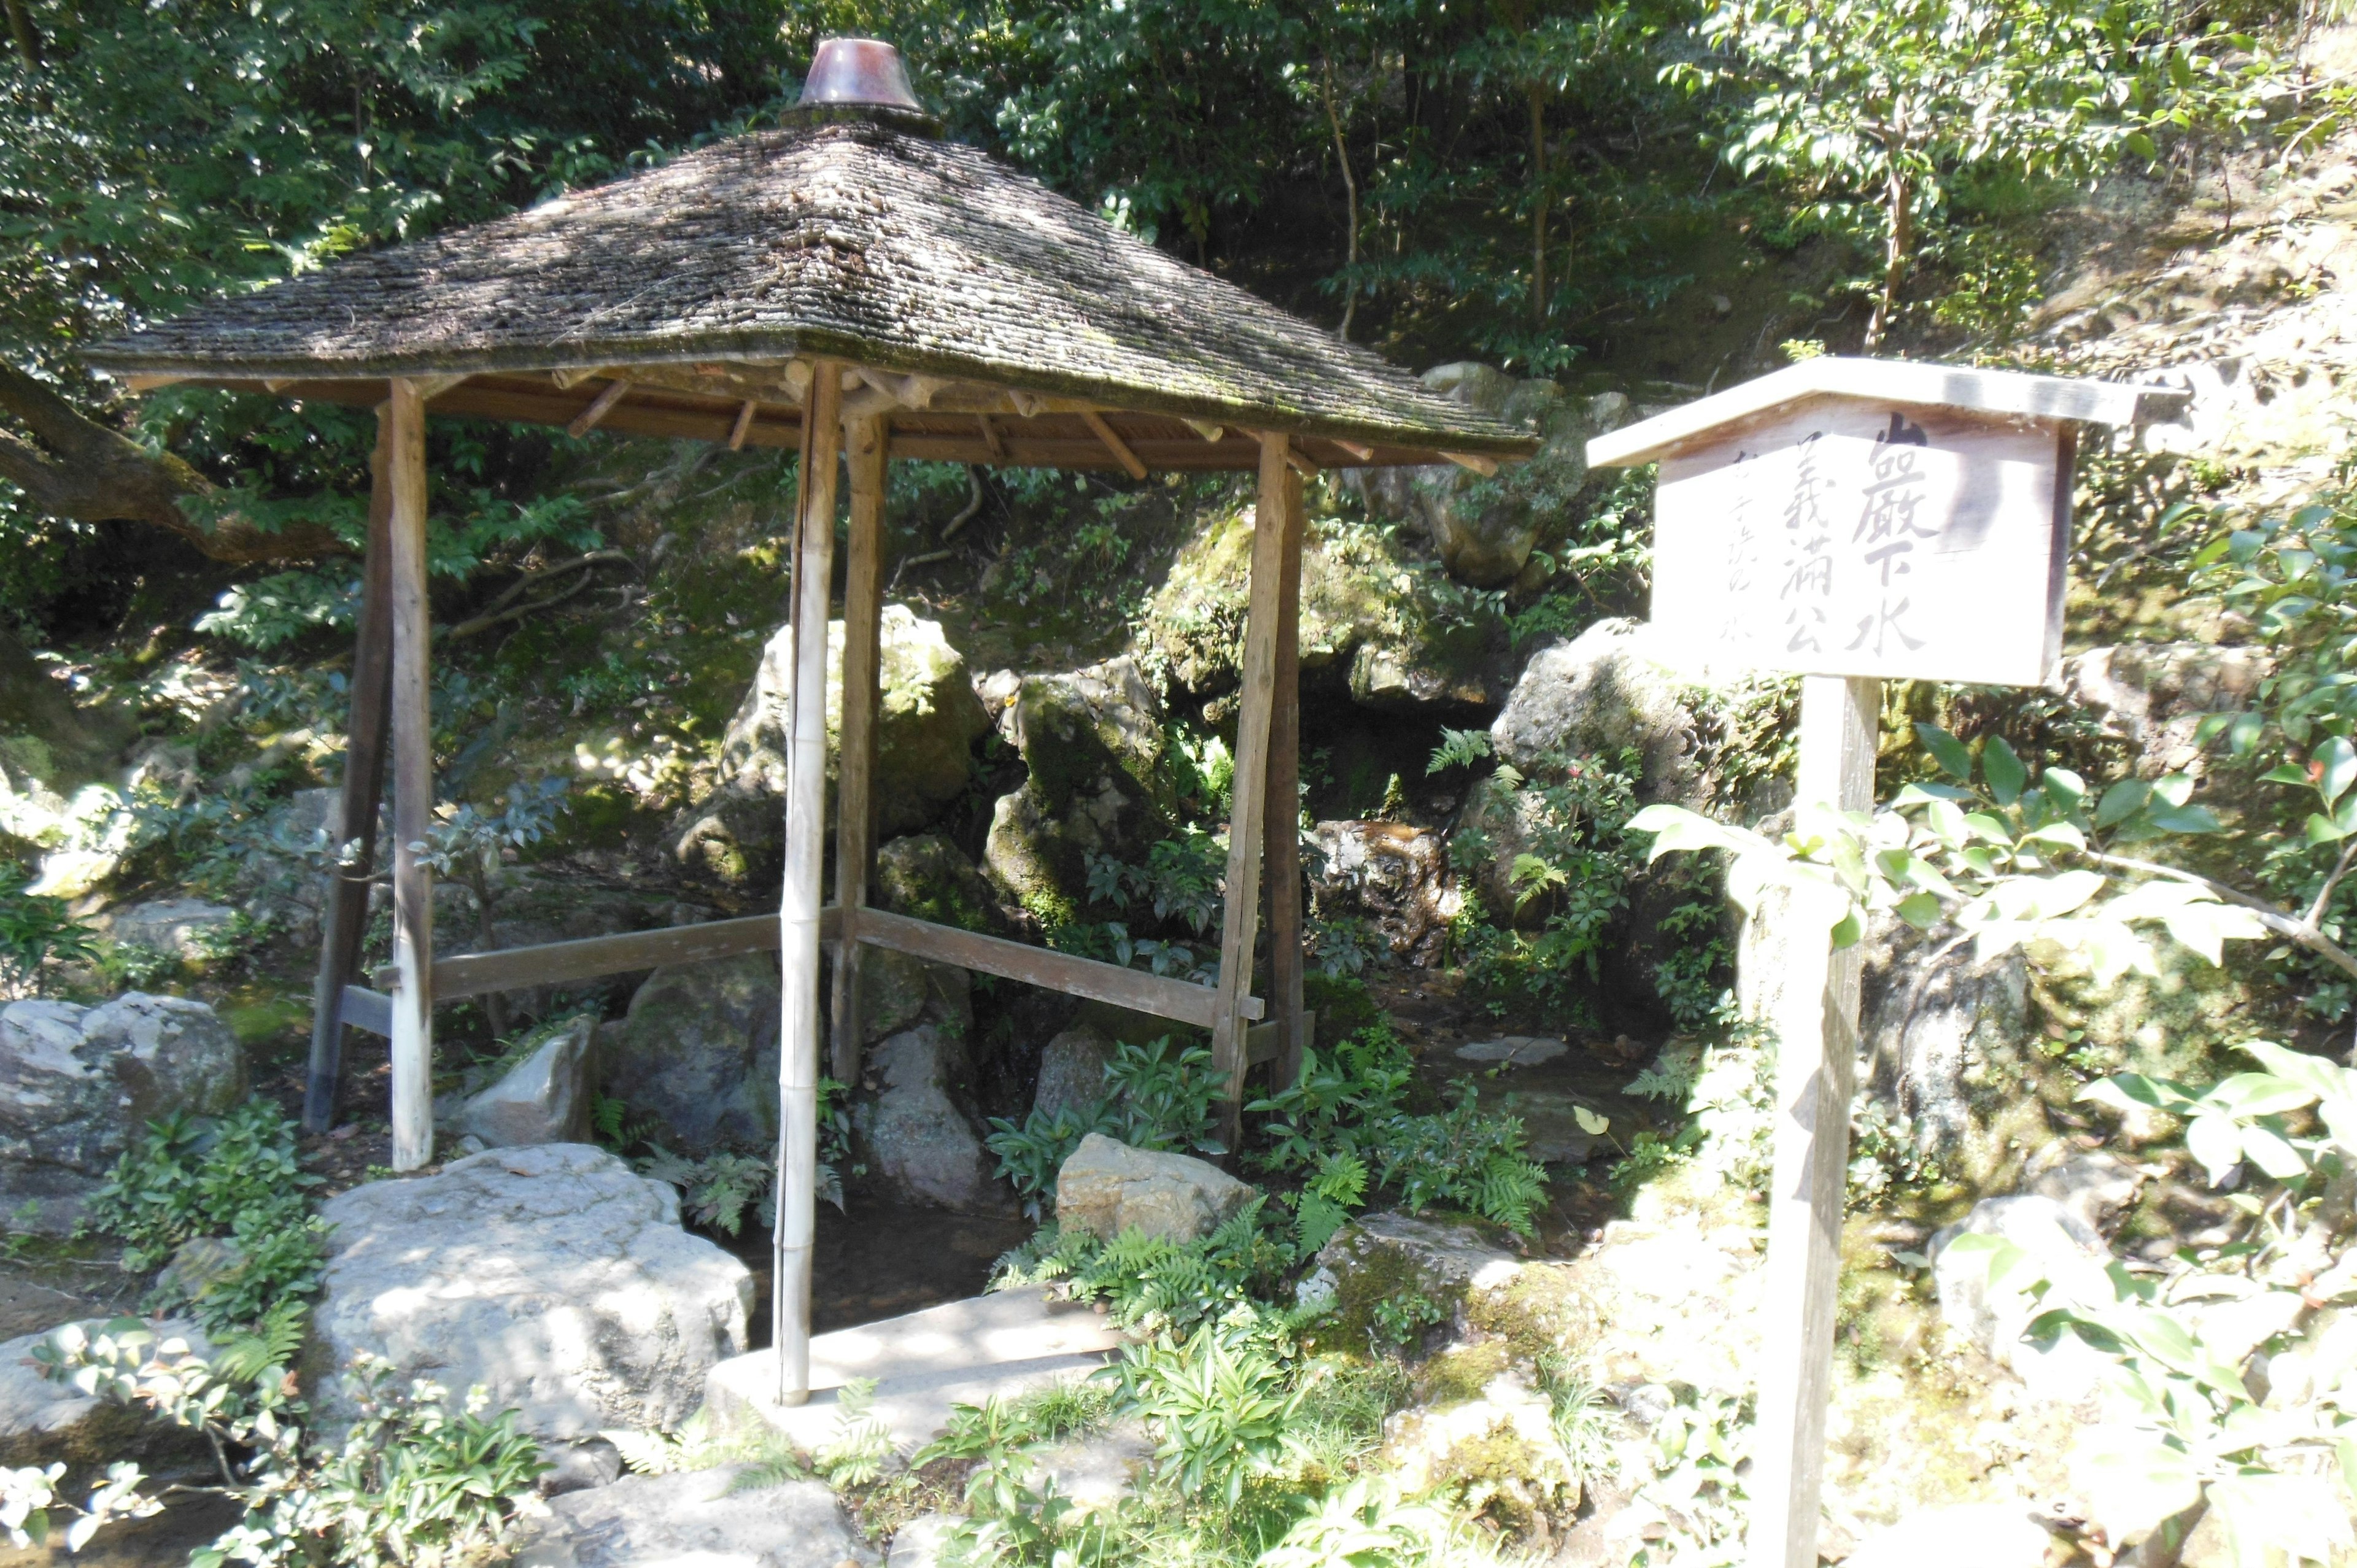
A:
1900,254
1349,191
75,468
1538,209
27,37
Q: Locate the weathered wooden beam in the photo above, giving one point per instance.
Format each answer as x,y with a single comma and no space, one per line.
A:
798,1035
1485,466
366,1009
1816,1065
743,425
1281,832
412,788
1114,442
599,407
1180,1001
343,922
1240,919
555,963
1264,1041
991,440
854,796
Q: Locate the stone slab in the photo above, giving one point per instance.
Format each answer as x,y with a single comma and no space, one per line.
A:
924,1363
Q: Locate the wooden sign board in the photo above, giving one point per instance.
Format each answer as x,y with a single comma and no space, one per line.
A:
1844,535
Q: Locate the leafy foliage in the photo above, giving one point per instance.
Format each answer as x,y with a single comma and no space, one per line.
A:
35,931
238,1176
1158,1096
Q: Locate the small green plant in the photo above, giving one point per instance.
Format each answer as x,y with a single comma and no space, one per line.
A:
1400,1320
1459,748
855,1454
35,932
238,1176
1152,1284
1222,1403
1158,1096
717,1189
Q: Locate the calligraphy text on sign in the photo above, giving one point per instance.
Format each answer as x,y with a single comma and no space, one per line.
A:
1845,537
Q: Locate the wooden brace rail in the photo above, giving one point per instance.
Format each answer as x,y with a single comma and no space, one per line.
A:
551,963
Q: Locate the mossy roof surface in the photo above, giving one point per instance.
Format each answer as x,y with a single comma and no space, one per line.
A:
856,242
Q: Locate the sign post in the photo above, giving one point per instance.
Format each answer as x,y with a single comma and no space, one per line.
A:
1853,521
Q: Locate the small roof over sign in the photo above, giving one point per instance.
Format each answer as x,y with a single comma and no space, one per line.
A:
1912,381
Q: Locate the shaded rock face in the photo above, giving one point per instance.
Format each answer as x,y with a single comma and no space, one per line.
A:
42,1423
927,877
1098,784
1484,529
555,1277
187,929
77,1083
710,1519
698,1052
1071,1071
2154,696
931,720
920,1142
1394,876
1950,1048
1107,1188
1598,694
897,991
543,1099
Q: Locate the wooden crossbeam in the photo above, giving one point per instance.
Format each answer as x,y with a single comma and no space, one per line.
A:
1114,442
599,407
1165,998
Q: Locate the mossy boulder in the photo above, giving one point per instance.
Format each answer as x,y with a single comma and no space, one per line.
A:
927,877
1608,691
925,736
697,1053
1484,527
1435,1270
1407,635
1099,783
1494,1450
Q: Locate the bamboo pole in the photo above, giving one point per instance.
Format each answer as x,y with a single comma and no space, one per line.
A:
1241,921
1281,833
798,907
855,802
412,790
343,919
1816,1065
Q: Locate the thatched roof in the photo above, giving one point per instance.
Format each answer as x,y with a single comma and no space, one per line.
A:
850,241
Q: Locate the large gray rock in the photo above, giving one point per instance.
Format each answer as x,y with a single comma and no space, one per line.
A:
697,1519
1950,1050
2062,1244
2154,695
1387,1256
1606,691
1071,1071
44,1423
189,929
919,1141
931,720
1485,528
78,1083
1394,876
698,1052
927,877
1107,1188
555,1276
543,1099
1093,744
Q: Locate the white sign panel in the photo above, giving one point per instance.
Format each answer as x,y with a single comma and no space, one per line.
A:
1848,537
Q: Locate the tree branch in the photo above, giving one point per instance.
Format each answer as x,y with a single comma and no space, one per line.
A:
2304,932
75,468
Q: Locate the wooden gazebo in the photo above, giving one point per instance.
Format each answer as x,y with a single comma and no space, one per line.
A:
855,287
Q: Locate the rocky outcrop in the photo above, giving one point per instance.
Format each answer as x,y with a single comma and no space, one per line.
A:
712,1519
1607,691
189,929
1484,529
1950,1051
1389,1257
1107,1188
1071,1072
1394,876
78,1083
1098,784
927,877
698,1053
2154,696
921,1143
44,1423
554,1277
1492,1448
931,720
543,1099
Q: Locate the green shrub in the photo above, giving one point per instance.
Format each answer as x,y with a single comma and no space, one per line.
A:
236,1175
35,930
1153,1284
1158,1096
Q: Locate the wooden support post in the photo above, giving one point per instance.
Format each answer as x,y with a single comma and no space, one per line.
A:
863,696
412,788
1816,1065
1281,833
1241,922
343,919
798,1039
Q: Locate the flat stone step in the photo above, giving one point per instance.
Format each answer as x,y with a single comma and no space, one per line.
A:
924,1363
